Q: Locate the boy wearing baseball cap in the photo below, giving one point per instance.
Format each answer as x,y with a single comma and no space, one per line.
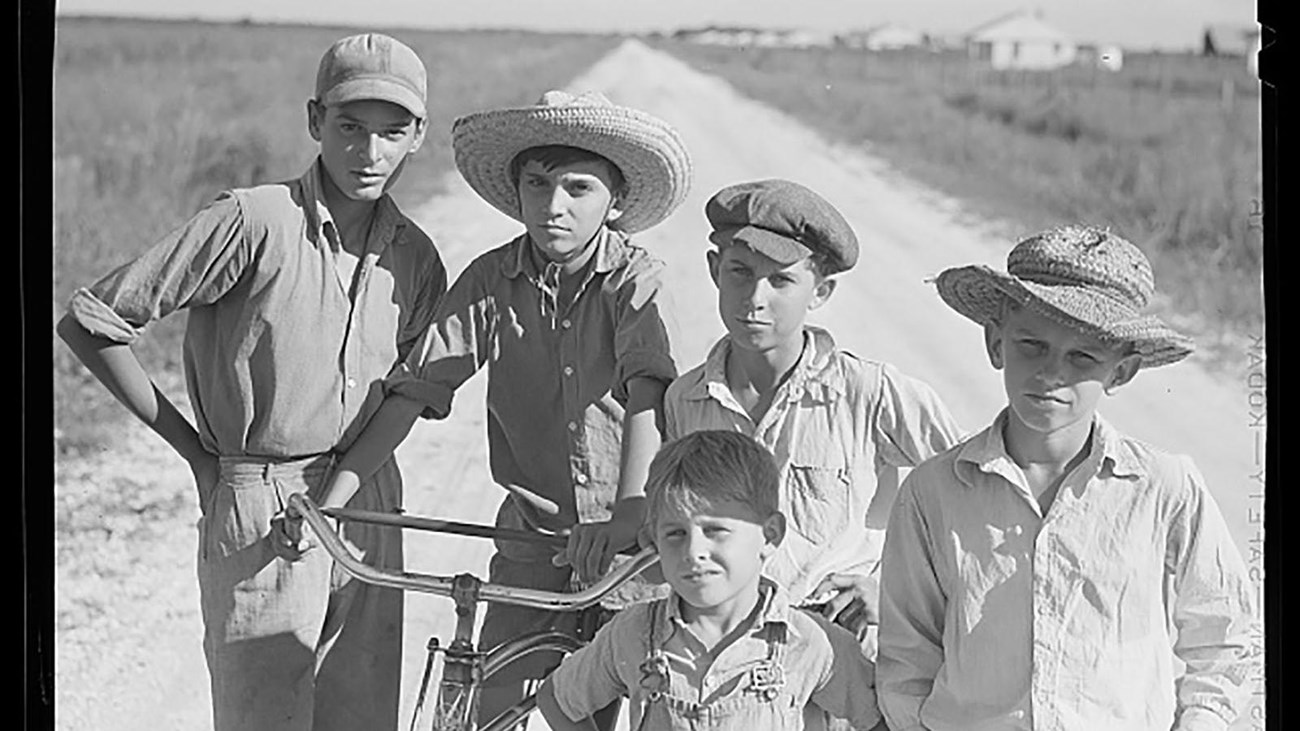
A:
568,318
1048,572
839,425
302,296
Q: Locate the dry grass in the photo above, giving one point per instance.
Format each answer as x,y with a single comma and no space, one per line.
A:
1166,151
153,119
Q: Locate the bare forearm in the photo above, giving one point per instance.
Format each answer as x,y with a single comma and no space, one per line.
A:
120,371
641,437
376,443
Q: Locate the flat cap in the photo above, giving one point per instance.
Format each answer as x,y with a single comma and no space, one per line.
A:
784,221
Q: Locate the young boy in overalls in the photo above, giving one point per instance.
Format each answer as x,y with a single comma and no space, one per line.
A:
302,296
840,426
568,317
726,649
1051,572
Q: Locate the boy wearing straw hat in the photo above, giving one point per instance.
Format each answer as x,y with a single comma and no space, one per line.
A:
840,426
568,317
302,296
1048,572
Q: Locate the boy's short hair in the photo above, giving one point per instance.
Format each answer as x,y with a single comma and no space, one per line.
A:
553,156
705,467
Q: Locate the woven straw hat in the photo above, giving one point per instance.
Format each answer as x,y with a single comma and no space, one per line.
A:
1085,278
648,152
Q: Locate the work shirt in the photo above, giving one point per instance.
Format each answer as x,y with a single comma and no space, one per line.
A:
557,371
782,661
279,360
839,426
996,616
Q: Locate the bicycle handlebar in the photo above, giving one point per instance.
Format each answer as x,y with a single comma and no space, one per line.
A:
443,585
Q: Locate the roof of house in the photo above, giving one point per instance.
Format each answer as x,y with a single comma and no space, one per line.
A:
1021,25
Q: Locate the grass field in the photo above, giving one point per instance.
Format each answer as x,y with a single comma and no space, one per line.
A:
154,118
1166,151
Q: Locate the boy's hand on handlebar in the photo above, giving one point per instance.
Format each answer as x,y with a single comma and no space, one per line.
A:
290,537
592,546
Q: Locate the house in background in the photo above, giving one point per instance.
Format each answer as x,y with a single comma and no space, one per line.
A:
1021,40
887,37
754,37
1102,56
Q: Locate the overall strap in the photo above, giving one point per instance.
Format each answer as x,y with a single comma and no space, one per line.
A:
654,669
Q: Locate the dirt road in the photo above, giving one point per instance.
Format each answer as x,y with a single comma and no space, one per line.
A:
883,309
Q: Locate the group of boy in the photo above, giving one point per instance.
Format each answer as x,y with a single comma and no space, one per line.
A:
1034,575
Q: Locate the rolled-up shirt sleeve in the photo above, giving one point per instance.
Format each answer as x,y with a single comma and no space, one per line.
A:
589,679
912,613
642,346
1212,611
457,342
195,264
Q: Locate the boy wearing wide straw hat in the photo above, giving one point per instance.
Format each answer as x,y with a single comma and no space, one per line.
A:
302,296
568,317
1048,572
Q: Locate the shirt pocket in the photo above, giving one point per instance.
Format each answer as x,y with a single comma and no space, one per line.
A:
818,500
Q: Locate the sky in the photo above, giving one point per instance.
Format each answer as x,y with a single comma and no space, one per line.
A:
1136,24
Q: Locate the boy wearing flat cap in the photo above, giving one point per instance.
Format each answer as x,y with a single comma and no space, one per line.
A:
302,296
839,425
568,318
1048,572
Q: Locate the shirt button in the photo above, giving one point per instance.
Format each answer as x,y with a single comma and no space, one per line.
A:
352,383
573,426
566,324
568,370
580,478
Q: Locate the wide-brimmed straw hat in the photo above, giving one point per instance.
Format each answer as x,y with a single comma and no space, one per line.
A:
655,165
1084,277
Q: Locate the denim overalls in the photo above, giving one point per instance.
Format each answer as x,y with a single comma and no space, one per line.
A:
760,699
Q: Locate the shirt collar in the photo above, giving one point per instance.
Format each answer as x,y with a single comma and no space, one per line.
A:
814,373
774,608
613,250
987,451
389,225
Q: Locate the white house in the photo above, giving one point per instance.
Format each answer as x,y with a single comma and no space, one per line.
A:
1021,40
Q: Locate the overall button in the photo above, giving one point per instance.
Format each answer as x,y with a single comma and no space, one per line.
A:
580,478
573,426
566,324
568,370
352,383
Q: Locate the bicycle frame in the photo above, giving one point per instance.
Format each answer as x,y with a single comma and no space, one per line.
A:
465,667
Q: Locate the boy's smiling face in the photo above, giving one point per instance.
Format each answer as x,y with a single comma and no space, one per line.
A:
564,206
712,555
364,144
764,303
1054,375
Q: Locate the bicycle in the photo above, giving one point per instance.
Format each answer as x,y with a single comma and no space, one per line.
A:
466,666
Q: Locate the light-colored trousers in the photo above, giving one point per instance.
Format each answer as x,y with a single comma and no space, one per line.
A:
297,646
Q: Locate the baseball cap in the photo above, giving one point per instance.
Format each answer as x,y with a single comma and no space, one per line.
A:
372,66
782,220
